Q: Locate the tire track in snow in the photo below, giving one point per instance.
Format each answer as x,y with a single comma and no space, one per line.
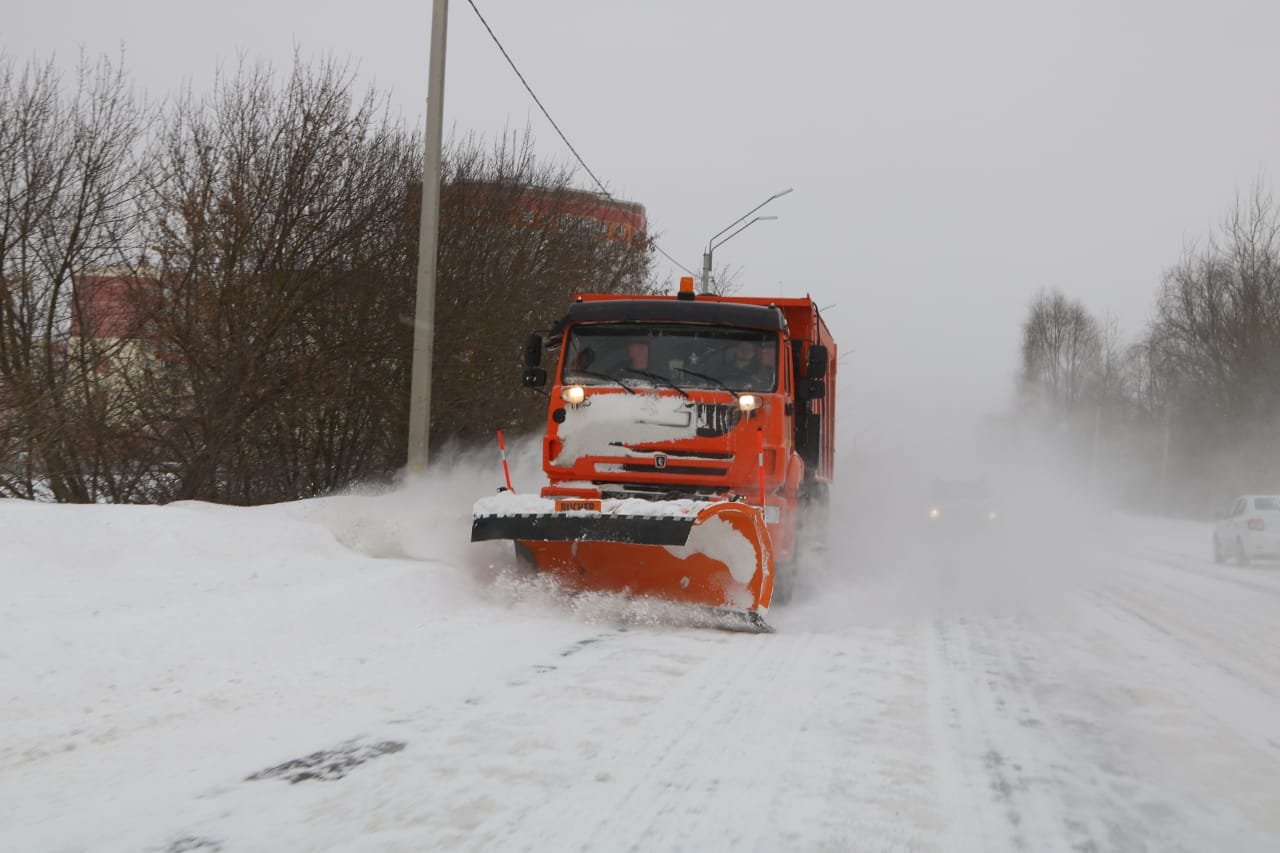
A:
1231,681
1211,618
736,750
1034,751
1202,568
667,789
1245,662
1203,730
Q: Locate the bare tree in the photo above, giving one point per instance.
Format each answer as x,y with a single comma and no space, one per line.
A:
1217,333
279,213
516,243
725,281
68,184
1062,345
1218,315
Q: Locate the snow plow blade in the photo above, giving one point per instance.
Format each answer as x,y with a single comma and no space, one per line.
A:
711,553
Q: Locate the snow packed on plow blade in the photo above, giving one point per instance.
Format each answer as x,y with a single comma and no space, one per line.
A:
715,554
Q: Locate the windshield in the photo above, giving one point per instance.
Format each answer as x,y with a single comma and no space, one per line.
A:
682,356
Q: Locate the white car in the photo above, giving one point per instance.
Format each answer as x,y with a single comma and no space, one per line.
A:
1250,528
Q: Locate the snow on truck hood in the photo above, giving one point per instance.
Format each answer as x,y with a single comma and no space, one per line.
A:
607,423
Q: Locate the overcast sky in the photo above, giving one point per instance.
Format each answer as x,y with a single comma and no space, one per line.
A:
949,159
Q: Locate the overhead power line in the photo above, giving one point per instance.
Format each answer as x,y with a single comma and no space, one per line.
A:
673,260
560,132
529,89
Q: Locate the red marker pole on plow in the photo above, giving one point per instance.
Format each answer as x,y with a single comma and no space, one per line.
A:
760,462
506,470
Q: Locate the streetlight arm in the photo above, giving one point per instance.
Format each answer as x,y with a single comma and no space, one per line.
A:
718,243
711,244
745,215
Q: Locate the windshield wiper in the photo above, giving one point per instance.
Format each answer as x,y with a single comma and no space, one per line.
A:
663,379
709,379
599,375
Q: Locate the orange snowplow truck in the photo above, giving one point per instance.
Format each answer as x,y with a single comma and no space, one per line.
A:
689,449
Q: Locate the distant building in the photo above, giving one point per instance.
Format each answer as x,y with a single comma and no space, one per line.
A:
609,217
109,322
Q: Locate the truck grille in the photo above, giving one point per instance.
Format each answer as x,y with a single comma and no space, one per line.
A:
715,419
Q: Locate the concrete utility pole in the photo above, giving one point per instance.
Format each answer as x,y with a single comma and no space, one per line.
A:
424,319
713,242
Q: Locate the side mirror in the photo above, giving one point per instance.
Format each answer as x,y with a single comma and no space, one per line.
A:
811,389
534,377
817,368
533,351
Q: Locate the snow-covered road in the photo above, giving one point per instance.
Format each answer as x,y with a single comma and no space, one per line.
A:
351,674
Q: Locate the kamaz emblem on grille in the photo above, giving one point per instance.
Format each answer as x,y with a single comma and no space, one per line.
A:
659,461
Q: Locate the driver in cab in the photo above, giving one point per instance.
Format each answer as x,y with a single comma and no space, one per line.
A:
748,366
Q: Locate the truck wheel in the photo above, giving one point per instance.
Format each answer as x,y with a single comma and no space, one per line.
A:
784,582
812,529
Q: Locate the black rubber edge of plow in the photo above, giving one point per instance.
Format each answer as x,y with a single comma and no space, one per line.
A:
633,530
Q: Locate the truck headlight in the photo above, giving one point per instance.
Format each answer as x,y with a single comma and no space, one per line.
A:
749,402
573,394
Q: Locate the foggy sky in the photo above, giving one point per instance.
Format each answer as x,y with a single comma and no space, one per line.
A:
949,159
